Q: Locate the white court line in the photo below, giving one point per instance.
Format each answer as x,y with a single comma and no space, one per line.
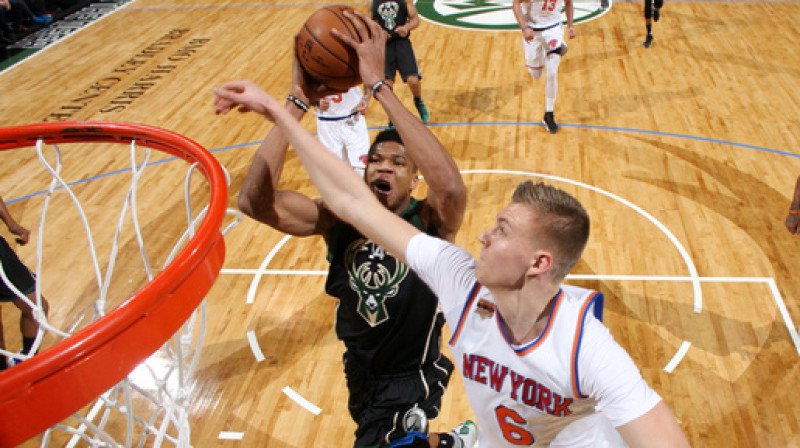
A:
301,401
254,347
251,293
678,357
230,435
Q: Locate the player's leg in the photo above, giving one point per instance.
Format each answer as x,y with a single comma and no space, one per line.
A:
356,143
409,71
657,4
648,21
555,49
28,325
328,133
534,57
24,281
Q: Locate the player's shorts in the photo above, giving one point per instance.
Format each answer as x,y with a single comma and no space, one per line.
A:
400,57
377,404
19,274
543,42
347,137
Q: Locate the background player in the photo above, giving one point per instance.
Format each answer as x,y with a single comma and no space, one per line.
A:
23,280
398,18
543,43
552,364
387,318
652,12
341,126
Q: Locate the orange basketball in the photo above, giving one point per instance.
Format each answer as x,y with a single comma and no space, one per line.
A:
322,55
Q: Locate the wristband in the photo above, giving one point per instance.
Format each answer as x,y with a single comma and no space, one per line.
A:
378,85
298,102
794,212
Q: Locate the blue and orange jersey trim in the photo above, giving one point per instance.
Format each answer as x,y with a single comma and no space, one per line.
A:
470,299
593,303
539,340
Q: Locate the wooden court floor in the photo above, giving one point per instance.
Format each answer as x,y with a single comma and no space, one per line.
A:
685,155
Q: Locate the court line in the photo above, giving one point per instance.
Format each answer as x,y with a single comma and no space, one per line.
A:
310,407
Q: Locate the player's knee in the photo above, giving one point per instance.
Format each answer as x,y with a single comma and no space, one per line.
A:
536,72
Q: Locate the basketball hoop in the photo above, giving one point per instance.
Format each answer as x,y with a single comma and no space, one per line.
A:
54,384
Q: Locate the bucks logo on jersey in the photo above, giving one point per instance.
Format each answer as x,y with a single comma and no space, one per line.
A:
388,12
495,15
375,277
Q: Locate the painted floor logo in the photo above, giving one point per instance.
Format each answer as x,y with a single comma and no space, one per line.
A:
495,16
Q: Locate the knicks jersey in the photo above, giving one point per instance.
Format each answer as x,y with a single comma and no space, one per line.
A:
342,104
526,395
542,14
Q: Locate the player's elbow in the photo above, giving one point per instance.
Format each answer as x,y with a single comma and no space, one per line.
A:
256,208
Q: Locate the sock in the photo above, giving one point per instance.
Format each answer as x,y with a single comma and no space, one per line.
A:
449,441
649,29
27,344
417,100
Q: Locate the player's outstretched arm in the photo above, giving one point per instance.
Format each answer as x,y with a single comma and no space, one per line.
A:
655,429
793,217
447,194
284,210
347,196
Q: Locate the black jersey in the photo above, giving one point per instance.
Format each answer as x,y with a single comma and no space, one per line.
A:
390,14
387,317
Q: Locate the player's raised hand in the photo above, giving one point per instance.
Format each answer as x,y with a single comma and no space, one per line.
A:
245,96
371,46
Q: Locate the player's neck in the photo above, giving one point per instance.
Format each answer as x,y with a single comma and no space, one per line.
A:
525,311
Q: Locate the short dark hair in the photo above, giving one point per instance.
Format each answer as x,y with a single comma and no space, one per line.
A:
390,135
386,135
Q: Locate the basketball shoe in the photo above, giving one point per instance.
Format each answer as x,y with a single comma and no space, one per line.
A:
424,115
648,41
550,123
656,14
415,420
467,432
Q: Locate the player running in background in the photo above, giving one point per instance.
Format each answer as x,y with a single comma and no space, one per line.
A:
543,42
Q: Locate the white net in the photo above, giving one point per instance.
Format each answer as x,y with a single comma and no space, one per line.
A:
149,407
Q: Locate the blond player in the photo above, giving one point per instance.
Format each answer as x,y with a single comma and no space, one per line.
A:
543,42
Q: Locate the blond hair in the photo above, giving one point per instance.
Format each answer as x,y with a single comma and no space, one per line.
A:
562,220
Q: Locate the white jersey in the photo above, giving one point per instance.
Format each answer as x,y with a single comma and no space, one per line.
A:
344,131
542,14
526,395
342,105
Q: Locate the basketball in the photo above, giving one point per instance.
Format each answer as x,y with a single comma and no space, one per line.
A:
322,55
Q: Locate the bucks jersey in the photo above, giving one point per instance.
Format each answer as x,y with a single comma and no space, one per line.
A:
386,316
390,14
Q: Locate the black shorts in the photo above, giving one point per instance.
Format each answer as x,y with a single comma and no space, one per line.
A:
400,57
377,404
19,274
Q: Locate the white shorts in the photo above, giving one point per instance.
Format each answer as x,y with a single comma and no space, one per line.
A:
543,41
347,138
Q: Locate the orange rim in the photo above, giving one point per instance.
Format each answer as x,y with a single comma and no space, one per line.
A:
52,385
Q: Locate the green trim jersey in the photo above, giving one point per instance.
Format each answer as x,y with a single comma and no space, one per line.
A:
387,317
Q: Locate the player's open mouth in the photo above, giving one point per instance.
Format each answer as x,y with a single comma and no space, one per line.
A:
381,187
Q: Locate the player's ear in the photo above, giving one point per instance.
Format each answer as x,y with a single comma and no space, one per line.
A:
414,181
541,263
